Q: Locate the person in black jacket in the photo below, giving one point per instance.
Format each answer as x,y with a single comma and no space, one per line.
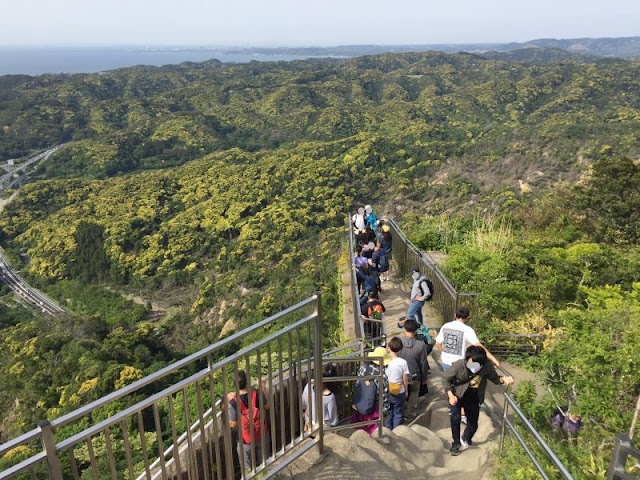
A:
465,383
414,351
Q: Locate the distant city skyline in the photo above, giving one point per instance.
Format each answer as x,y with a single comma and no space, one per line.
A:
297,23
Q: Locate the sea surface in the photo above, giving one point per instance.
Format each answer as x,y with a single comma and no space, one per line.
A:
37,61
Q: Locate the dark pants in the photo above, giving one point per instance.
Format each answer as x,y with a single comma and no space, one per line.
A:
244,451
396,410
472,410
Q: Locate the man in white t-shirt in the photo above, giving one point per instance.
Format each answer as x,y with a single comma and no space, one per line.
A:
454,338
398,376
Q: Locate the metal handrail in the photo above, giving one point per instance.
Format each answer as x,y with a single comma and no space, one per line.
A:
149,379
350,378
510,402
408,256
163,372
358,325
622,448
218,404
298,344
447,305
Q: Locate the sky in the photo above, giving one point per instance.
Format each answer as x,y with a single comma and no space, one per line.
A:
309,22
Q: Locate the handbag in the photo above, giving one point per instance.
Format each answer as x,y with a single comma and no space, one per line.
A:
395,388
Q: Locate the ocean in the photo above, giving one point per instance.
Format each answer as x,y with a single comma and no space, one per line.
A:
37,61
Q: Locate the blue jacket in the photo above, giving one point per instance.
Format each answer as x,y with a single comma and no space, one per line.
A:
370,281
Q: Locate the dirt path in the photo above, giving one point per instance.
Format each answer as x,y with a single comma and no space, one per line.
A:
156,312
5,201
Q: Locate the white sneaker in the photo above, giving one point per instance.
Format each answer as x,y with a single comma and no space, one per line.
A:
463,419
464,443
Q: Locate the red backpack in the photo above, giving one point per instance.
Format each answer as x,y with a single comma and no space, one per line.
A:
259,428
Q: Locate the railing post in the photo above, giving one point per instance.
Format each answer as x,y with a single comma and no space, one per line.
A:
618,457
505,410
317,350
49,447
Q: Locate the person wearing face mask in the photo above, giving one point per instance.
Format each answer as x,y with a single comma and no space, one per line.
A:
420,293
465,383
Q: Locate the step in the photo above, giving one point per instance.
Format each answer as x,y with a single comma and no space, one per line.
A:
386,453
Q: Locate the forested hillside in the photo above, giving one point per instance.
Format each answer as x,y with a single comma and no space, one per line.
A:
566,266
220,191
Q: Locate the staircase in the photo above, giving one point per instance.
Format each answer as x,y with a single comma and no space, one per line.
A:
417,450
287,357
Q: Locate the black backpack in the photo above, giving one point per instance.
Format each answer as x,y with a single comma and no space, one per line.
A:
430,285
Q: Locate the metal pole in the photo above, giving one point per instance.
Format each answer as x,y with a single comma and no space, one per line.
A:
381,397
317,346
504,421
49,447
634,423
618,457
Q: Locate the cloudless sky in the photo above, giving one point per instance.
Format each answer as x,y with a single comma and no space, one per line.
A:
309,22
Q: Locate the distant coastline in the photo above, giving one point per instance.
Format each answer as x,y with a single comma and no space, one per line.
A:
43,60
40,60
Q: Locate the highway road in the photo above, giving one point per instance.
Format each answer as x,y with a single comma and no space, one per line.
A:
9,179
27,294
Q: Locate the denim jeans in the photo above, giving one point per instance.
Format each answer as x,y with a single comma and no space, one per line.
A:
415,310
396,410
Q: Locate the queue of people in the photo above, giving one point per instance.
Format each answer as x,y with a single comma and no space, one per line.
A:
466,363
407,368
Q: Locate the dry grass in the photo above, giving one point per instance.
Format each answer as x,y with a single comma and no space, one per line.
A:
530,323
491,233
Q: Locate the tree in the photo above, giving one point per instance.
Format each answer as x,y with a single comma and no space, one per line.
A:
610,198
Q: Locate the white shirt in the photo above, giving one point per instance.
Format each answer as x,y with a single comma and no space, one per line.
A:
329,406
455,337
395,371
359,221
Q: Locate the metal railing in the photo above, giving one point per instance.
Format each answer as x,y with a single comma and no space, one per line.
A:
358,324
279,363
622,450
506,344
506,422
352,361
407,257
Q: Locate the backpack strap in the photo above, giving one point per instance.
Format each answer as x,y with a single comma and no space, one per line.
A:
423,280
254,400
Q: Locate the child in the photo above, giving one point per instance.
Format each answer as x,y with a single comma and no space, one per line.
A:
398,375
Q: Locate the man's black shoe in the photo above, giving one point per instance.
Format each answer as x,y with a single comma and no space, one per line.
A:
455,450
